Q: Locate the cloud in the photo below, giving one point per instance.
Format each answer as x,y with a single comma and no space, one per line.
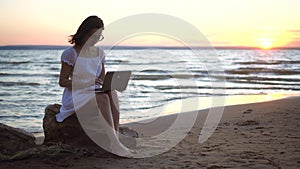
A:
295,31
294,43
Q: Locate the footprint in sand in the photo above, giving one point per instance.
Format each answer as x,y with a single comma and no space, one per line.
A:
247,123
248,111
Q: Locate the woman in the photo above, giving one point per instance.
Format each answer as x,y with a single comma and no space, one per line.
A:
80,81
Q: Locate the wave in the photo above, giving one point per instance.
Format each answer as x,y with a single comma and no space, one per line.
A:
264,88
29,75
15,62
129,109
181,87
5,74
262,62
117,61
6,93
227,87
54,69
166,76
265,83
262,71
18,84
258,78
51,62
154,63
18,117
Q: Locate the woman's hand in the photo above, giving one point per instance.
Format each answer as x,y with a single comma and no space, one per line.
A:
99,82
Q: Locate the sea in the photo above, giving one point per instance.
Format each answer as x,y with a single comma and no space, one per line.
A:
160,76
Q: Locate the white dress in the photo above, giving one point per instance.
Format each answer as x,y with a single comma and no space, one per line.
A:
85,71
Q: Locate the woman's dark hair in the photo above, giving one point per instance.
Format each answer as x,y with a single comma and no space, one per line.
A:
88,24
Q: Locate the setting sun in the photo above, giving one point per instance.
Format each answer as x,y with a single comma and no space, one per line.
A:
265,43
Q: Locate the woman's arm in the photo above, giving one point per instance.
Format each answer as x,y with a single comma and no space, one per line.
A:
102,74
65,73
100,78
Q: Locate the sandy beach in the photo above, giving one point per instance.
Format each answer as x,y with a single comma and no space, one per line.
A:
256,135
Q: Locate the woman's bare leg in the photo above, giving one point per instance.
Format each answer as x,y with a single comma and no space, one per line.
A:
115,108
104,106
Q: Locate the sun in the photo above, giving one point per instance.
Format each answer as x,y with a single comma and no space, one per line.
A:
265,43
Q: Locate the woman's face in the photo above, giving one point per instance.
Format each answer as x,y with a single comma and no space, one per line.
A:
93,36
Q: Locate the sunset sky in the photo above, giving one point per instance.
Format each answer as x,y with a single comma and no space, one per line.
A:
253,23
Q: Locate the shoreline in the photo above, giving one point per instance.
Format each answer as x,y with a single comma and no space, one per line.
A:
173,109
253,135
202,103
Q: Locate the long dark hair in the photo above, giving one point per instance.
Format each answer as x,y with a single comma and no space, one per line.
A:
88,24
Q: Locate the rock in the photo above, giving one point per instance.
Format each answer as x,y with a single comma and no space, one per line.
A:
71,133
17,144
68,132
13,140
61,139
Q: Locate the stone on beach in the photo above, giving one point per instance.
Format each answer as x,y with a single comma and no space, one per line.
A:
13,140
70,131
60,139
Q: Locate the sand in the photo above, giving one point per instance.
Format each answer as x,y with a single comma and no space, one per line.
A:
256,135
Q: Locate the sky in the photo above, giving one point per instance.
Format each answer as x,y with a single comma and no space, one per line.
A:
252,23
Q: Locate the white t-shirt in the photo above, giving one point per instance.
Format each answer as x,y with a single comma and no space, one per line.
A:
85,71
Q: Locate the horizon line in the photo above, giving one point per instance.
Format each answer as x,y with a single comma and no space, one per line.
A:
43,47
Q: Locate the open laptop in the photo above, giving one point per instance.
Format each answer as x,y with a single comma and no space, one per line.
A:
115,80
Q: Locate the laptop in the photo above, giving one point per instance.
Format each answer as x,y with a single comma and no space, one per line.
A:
115,80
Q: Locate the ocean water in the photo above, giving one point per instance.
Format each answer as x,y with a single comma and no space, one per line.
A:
29,78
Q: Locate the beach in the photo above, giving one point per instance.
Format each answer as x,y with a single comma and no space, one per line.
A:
254,135
212,85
